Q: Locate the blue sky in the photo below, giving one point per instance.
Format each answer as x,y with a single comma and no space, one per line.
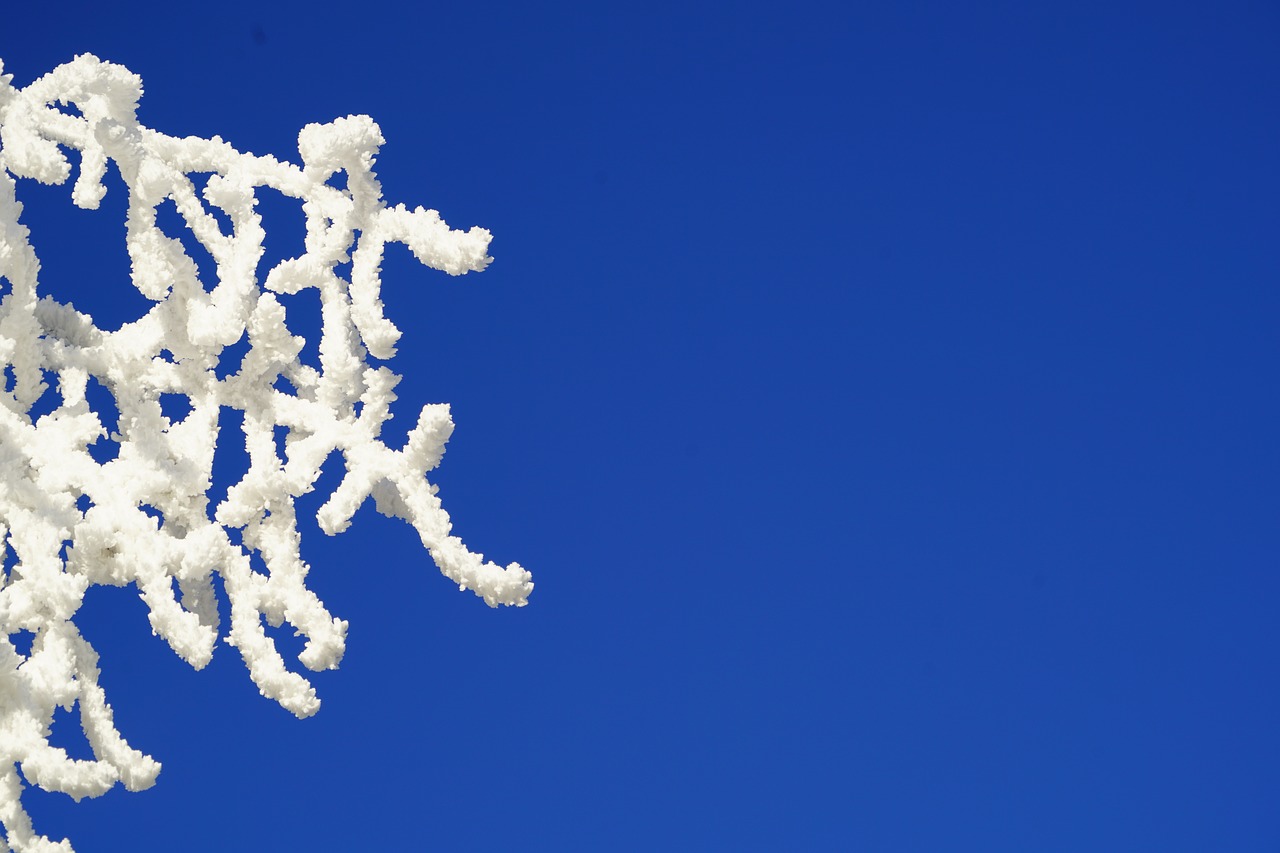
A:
883,396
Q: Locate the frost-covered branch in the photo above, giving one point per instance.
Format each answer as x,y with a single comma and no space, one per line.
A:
143,516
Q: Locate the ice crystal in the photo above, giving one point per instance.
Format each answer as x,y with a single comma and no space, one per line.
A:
144,517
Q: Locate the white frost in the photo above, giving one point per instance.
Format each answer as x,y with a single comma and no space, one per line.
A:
144,517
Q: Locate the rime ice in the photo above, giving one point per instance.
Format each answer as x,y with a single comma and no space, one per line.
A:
144,517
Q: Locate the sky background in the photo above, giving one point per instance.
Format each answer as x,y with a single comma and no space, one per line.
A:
884,397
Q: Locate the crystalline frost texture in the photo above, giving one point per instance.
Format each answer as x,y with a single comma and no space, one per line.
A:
144,517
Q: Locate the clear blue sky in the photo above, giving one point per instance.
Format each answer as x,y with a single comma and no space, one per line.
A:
883,396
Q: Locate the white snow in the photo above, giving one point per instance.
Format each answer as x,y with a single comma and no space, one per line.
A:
148,519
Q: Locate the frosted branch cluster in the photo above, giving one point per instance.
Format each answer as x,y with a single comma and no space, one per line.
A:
144,517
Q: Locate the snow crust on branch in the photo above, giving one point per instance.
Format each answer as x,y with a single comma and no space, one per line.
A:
144,517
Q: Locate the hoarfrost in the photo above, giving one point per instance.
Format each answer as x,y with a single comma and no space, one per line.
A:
144,517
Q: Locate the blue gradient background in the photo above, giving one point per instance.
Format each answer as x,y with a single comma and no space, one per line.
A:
884,398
